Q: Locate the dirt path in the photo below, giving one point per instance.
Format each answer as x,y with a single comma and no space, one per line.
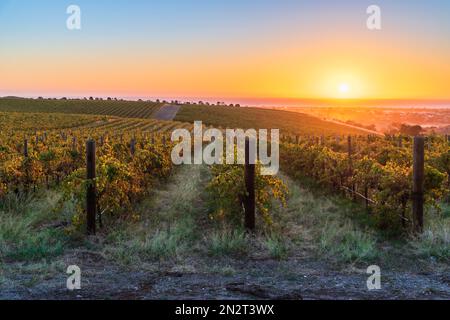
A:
195,275
293,279
167,112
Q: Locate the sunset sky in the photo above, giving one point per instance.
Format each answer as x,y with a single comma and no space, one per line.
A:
226,49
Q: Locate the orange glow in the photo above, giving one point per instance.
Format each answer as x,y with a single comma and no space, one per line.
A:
371,70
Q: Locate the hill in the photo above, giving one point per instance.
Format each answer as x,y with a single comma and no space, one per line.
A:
289,123
124,109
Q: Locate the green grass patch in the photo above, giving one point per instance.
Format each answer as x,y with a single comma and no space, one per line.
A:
346,242
23,236
277,247
227,242
435,241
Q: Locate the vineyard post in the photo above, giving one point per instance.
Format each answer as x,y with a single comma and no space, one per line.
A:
400,141
350,163
133,146
27,173
91,190
25,148
418,182
349,148
74,143
249,201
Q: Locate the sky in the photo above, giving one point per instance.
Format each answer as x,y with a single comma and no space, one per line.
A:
226,49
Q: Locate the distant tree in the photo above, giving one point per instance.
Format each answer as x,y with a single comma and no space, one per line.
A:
109,99
157,101
91,98
63,98
238,105
411,130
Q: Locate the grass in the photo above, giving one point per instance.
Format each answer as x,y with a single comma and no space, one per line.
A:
168,229
126,109
277,247
227,242
22,235
328,225
256,118
347,242
435,241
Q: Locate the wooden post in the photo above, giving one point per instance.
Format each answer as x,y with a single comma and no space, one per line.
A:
249,202
74,144
349,148
133,146
25,148
91,189
418,183
400,141
350,165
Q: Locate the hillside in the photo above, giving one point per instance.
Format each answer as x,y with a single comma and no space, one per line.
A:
125,109
290,123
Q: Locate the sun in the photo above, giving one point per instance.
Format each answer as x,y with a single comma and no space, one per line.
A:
344,88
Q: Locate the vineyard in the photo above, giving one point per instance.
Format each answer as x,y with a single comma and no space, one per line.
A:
289,123
105,186
132,154
117,108
377,171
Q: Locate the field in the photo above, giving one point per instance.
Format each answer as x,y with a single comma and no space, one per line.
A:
289,123
165,231
126,109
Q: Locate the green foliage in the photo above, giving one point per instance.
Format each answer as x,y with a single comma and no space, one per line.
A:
227,192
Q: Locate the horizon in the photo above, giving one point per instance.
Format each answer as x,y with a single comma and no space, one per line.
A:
269,102
253,50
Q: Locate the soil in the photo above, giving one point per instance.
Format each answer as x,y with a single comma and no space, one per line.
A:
293,279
